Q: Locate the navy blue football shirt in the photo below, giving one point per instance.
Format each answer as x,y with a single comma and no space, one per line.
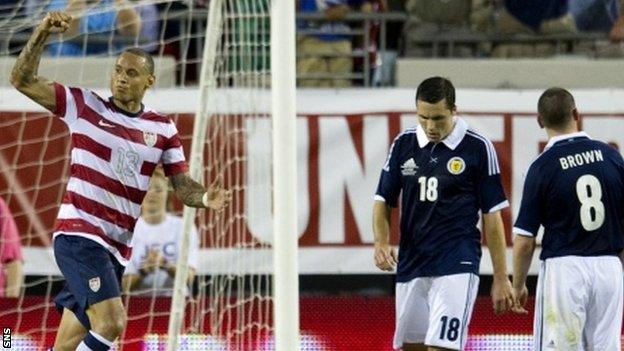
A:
575,189
442,186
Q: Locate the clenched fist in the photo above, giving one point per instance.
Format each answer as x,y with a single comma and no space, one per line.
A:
56,22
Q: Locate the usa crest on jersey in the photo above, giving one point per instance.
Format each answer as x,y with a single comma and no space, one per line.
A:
149,138
94,284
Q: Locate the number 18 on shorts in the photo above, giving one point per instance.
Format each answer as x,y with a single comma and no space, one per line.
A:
435,311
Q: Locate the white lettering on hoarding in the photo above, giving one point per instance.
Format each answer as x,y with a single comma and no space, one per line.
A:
342,174
258,194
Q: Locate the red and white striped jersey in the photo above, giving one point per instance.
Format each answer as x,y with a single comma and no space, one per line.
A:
113,156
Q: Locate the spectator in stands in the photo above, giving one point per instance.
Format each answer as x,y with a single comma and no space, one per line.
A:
10,254
429,18
150,24
370,49
385,69
533,17
91,17
156,241
599,15
328,54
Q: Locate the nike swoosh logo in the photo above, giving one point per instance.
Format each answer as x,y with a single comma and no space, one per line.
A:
104,124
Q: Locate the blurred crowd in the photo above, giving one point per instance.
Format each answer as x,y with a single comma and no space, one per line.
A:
537,20
335,46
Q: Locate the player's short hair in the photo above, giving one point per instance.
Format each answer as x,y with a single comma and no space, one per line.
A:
434,89
149,60
555,107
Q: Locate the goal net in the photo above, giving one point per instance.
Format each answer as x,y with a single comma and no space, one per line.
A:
228,306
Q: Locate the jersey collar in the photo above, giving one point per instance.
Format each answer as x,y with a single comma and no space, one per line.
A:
552,141
451,141
124,112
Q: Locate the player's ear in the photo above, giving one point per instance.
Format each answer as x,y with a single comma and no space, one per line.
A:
575,115
539,121
150,81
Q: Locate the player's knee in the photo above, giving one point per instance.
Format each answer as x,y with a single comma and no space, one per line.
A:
112,327
117,324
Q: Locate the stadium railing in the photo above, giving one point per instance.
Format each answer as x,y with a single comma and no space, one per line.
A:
441,43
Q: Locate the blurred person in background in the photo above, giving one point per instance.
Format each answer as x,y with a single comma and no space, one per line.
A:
605,16
156,242
532,17
599,15
330,53
104,17
370,49
150,34
428,18
11,260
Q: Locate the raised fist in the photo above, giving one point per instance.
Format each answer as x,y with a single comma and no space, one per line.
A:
56,22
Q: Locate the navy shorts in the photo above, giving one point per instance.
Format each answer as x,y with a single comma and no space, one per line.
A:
92,274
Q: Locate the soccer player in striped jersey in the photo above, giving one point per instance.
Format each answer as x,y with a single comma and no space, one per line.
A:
575,190
445,173
116,144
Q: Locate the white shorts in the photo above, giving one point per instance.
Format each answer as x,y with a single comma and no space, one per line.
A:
435,310
579,304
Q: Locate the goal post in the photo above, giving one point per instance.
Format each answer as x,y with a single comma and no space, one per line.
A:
235,67
285,263
207,82
245,294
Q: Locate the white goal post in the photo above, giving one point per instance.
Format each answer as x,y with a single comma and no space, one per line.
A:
217,46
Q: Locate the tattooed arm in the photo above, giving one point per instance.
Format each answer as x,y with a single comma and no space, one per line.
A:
193,194
24,74
187,190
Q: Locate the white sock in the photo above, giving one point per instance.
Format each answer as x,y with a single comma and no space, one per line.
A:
97,342
83,347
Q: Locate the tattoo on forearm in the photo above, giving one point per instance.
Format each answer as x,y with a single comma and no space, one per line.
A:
188,191
27,64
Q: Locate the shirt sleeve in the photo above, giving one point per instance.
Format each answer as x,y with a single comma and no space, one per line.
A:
529,220
172,158
10,245
193,254
69,102
389,186
490,187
